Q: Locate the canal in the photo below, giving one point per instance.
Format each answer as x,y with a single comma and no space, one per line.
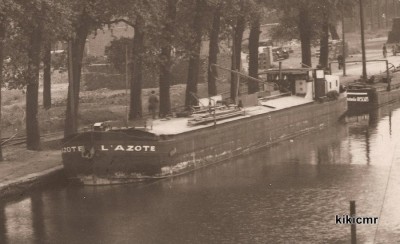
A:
288,193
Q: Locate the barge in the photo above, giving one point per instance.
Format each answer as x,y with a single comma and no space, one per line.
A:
364,96
306,100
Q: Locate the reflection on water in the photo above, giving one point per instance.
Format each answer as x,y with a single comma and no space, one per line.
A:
288,193
39,233
18,221
3,230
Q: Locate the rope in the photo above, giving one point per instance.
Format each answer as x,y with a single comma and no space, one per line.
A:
384,195
9,139
71,139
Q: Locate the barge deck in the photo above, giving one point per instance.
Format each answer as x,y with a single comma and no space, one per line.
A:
171,147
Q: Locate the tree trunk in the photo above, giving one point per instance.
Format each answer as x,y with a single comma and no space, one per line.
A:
324,43
135,109
2,37
236,52
47,75
213,52
253,55
233,67
194,60
378,13
77,52
371,16
333,31
165,59
239,37
305,37
386,14
165,81
32,87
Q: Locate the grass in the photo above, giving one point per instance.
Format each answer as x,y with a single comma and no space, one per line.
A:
95,106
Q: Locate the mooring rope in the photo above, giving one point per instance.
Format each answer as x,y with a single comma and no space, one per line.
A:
384,194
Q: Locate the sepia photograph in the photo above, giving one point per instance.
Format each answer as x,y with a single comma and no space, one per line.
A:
199,121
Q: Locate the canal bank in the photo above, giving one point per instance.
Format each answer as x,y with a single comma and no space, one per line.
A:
23,171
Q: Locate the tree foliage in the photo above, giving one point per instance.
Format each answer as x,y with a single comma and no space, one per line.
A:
310,21
165,31
116,50
86,16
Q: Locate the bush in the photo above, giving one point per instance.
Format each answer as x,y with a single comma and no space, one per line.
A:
332,95
106,76
116,52
91,60
102,68
59,60
354,50
94,80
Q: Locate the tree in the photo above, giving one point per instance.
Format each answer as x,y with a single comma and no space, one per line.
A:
324,39
48,34
237,36
135,110
32,28
194,59
81,27
305,25
47,75
24,39
299,19
254,37
165,57
143,17
333,31
30,20
2,39
84,16
309,20
213,50
329,11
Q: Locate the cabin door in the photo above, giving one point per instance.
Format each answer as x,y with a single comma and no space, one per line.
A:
319,88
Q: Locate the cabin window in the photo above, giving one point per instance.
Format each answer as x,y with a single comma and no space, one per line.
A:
336,83
330,85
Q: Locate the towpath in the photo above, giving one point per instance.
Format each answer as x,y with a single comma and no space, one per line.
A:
23,170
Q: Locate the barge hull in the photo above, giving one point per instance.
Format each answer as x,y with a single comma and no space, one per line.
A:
184,152
375,99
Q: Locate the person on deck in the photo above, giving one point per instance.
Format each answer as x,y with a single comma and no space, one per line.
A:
340,61
384,50
153,104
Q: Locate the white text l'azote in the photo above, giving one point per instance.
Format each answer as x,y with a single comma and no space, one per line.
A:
122,148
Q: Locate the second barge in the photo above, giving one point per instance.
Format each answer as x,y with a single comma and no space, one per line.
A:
378,91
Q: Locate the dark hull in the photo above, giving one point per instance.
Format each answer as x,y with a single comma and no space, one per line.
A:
363,100
171,155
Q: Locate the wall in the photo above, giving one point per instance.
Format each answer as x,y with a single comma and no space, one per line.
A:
96,43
